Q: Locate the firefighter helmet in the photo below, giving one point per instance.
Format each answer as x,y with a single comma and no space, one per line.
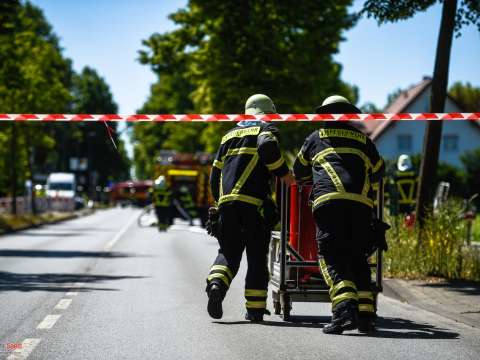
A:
404,163
259,104
160,182
337,104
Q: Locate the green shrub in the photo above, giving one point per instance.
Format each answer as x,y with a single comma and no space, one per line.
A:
439,250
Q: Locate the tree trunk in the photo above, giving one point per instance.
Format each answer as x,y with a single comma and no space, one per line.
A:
433,132
13,168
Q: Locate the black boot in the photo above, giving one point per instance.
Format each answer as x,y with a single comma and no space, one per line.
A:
215,298
344,317
256,315
366,322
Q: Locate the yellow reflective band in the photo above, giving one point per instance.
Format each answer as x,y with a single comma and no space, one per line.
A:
326,275
343,297
366,308
404,173
366,184
218,164
221,185
365,295
255,292
256,304
268,134
241,133
319,157
343,133
276,164
333,176
377,165
343,196
342,284
222,277
246,173
240,151
176,172
410,185
306,177
222,268
302,159
239,197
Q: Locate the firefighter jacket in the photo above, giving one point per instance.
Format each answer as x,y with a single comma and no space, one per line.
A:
343,162
405,184
248,155
161,197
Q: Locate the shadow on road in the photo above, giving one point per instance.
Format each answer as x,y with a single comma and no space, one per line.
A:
465,287
408,329
64,254
55,282
295,321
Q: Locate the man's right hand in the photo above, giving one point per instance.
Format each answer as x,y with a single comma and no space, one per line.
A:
288,179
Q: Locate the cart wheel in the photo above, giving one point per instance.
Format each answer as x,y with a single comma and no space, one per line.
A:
286,307
277,307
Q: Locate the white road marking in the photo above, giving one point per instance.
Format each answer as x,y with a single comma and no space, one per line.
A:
63,304
119,234
79,284
48,322
71,293
27,347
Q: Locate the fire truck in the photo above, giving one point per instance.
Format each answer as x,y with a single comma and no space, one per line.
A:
184,171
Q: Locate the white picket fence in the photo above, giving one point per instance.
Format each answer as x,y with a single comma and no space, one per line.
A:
42,205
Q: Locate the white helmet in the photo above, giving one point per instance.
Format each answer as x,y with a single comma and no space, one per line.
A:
259,104
160,182
404,163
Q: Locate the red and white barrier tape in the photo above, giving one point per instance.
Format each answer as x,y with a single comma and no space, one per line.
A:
238,117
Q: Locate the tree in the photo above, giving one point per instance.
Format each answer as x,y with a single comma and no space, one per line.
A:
453,18
466,95
224,51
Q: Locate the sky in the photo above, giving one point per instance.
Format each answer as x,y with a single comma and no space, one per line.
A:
107,34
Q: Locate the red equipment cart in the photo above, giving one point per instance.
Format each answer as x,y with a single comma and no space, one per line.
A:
293,262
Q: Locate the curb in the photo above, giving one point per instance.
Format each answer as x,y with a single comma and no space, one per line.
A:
74,215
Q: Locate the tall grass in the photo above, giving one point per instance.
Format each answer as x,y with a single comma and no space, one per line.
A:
438,250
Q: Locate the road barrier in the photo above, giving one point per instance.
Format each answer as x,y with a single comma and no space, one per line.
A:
43,204
238,117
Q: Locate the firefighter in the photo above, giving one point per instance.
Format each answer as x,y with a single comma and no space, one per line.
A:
403,187
162,203
240,183
187,204
343,163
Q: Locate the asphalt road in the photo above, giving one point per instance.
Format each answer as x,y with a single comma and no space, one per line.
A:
100,287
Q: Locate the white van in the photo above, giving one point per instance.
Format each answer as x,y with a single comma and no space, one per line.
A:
61,185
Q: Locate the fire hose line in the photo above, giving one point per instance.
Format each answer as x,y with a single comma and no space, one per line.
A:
237,117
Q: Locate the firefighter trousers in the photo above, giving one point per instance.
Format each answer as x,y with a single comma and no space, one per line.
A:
344,231
242,228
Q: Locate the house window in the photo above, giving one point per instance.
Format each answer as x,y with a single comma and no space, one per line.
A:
404,142
450,142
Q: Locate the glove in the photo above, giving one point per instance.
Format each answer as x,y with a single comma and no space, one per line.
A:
379,229
213,225
270,213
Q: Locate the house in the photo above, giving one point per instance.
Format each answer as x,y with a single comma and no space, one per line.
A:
394,138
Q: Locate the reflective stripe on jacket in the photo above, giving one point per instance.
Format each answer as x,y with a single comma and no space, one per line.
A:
242,168
343,162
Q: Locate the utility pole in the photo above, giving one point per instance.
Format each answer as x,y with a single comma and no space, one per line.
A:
433,132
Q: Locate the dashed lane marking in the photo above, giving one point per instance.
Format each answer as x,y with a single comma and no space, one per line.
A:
79,284
63,304
119,234
48,322
27,347
71,293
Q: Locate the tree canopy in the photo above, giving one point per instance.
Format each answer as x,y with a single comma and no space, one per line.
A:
224,51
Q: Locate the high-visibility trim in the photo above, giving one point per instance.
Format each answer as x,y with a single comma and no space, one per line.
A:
324,270
404,174
366,308
410,198
240,151
345,296
221,186
275,165
365,295
319,157
218,164
306,177
222,268
256,304
255,130
302,159
333,176
343,133
343,196
177,172
342,284
268,134
240,197
222,277
256,292
366,183
377,166
246,173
